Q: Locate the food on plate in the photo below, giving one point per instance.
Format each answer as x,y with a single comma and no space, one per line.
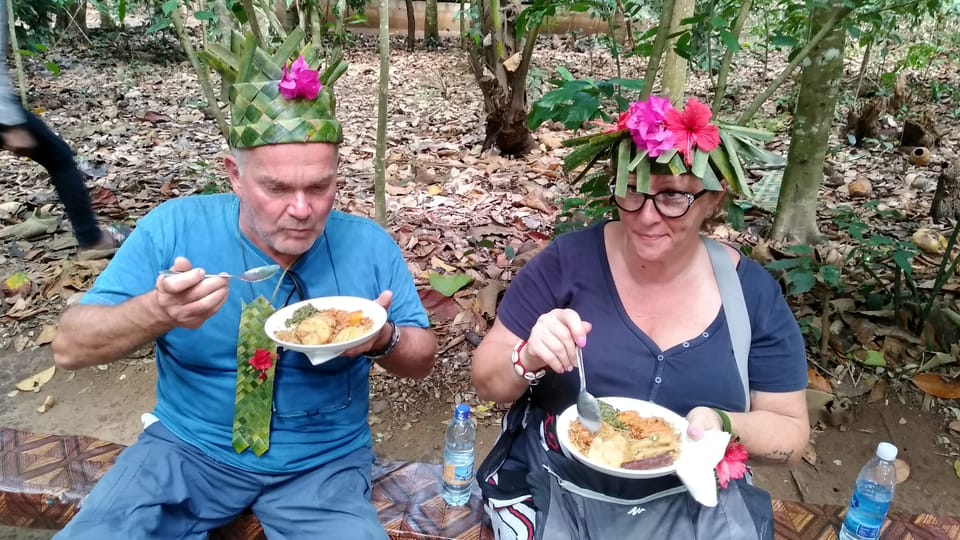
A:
627,440
312,326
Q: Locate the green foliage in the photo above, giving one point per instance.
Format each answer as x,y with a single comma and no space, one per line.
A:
577,101
448,285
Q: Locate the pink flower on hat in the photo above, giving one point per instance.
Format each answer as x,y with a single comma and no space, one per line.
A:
299,81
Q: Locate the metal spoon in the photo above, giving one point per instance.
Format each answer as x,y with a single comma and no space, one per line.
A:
252,275
588,408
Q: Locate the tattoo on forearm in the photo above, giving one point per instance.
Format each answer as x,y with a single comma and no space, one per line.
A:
778,456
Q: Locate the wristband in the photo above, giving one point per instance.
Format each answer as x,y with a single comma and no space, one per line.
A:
724,421
532,377
391,345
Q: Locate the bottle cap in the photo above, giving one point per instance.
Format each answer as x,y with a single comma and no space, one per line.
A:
886,451
463,412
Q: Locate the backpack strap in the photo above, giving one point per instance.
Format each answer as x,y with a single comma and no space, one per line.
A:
735,309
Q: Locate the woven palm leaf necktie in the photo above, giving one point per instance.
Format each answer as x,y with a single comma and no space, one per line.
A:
256,366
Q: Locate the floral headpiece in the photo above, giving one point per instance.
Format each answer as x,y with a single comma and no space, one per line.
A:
653,136
274,100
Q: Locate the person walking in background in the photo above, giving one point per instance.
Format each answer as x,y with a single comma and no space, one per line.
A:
22,133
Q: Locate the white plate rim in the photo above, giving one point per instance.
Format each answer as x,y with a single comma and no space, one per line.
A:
318,354
646,408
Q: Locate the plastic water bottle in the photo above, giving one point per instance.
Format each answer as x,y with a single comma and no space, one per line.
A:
872,496
458,457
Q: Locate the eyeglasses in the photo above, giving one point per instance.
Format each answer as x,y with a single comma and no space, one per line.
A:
670,204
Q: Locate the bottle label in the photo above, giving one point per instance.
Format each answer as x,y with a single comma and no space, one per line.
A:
865,516
458,474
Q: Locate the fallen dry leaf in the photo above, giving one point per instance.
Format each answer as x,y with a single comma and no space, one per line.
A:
487,298
954,426
938,386
18,283
47,335
810,455
35,382
439,307
156,118
817,381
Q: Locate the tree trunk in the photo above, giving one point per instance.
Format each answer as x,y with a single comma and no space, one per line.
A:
224,31
796,217
431,28
380,157
674,80
287,17
503,88
946,201
74,18
411,25
107,22
341,28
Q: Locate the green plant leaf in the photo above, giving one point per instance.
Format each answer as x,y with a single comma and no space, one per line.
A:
830,275
160,24
802,281
800,249
677,166
699,163
729,40
665,157
875,358
448,285
783,264
636,161
643,176
169,6
623,165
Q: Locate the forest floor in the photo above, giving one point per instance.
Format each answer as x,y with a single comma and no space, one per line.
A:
132,110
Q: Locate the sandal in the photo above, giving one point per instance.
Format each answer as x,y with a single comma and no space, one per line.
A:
111,238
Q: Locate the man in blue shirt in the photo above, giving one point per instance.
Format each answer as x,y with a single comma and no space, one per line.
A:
187,475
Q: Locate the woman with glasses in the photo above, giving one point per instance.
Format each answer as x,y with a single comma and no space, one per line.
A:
638,295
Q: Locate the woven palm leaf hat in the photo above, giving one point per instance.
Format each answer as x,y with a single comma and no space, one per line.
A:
278,98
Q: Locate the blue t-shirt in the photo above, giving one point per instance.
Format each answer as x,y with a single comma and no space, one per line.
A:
320,412
620,360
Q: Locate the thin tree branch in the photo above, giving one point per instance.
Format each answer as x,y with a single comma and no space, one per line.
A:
659,43
825,30
626,22
21,79
203,75
519,90
254,22
724,72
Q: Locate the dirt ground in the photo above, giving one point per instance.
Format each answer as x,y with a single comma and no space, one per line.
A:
107,403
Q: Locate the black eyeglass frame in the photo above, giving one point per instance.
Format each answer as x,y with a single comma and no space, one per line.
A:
691,198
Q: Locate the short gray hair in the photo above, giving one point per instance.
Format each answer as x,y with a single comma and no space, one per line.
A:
240,157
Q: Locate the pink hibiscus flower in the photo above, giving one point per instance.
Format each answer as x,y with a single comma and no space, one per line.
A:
299,81
646,125
733,466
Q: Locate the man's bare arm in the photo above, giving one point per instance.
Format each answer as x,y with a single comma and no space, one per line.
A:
92,335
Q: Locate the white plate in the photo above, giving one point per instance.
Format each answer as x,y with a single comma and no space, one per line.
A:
318,354
645,408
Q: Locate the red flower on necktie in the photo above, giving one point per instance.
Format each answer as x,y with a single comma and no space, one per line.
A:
692,129
261,361
733,466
